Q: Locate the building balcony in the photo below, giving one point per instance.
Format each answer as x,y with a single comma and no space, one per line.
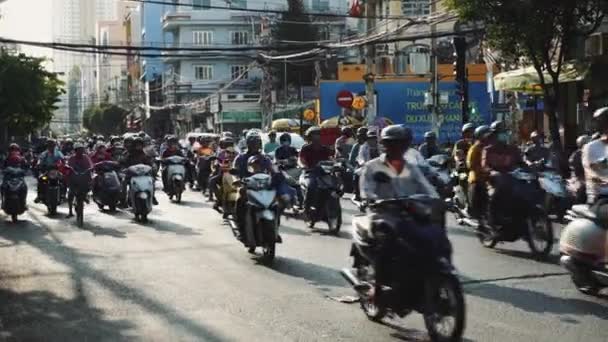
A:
171,20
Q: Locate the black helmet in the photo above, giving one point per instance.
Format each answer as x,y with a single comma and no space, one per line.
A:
346,130
313,130
430,135
226,140
51,142
172,140
468,127
253,137
396,132
285,137
272,132
498,126
482,131
138,140
362,132
372,133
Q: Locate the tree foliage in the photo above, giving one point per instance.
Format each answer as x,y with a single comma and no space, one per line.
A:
540,33
295,26
28,93
106,119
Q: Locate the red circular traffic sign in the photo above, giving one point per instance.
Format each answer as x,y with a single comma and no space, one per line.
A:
345,99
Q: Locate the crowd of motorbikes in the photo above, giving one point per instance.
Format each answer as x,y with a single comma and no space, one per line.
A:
430,285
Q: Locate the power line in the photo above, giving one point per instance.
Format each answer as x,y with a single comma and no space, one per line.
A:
254,10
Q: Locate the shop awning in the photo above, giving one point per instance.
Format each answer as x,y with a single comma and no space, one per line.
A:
526,80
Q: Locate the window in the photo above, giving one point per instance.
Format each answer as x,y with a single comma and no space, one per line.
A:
416,8
202,38
199,5
203,72
238,3
240,37
237,70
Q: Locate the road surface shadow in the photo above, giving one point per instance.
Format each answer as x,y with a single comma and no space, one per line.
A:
461,231
552,259
192,204
43,238
101,231
315,274
168,227
536,302
42,316
293,230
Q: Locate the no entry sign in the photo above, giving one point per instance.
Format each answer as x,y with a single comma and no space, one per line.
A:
345,99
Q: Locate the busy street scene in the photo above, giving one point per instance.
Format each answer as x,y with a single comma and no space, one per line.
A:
379,170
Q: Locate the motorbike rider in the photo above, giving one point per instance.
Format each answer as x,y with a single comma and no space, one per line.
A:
285,150
497,160
49,158
225,156
14,157
352,160
462,146
272,144
79,162
369,150
595,164
242,144
344,143
310,155
101,154
172,150
429,148
67,147
134,156
536,152
263,164
477,177
577,171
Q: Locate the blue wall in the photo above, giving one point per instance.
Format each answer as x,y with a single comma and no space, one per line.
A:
403,103
151,23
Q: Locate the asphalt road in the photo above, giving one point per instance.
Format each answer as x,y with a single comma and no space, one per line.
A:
183,277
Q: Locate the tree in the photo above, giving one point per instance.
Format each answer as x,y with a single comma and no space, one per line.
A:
540,33
28,93
106,119
295,26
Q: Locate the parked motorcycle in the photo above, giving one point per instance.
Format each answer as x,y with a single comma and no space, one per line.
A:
404,237
141,190
523,216
107,190
326,201
52,183
14,192
175,177
262,215
584,249
79,187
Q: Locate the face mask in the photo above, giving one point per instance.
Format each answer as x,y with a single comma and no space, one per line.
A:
285,143
503,138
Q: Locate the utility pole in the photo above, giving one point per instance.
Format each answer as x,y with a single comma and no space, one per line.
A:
370,56
435,122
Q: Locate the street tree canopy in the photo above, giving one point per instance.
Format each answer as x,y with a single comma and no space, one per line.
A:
28,93
541,33
106,119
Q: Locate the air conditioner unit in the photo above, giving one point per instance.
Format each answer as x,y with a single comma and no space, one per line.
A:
596,45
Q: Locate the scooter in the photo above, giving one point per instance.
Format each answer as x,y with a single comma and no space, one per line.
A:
79,187
107,190
14,192
141,190
406,239
584,250
290,170
557,196
175,177
261,216
439,173
52,183
326,205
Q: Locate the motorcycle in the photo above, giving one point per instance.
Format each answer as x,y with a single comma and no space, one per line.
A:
52,184
14,192
79,187
584,250
522,217
290,170
405,238
557,196
459,204
261,217
326,201
175,177
107,189
141,190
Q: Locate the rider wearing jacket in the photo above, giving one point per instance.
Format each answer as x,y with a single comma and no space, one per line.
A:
14,157
429,148
477,176
285,150
49,158
310,155
79,162
595,164
577,171
536,152
462,146
352,159
101,154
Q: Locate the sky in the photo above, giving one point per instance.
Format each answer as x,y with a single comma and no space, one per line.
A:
27,20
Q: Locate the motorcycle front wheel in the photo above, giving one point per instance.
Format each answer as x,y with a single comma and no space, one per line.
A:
14,218
539,236
270,241
445,311
80,213
334,215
